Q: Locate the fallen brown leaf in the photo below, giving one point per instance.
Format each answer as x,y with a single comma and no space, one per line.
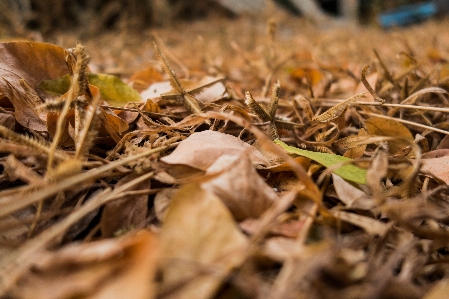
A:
31,62
196,269
117,268
246,197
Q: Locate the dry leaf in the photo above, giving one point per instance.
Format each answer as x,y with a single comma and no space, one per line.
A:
350,195
155,90
356,151
162,201
312,75
7,120
118,268
439,290
437,167
140,80
387,127
213,92
201,150
115,122
127,212
246,197
31,62
198,267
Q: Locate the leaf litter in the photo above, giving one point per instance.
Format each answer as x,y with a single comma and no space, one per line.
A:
209,186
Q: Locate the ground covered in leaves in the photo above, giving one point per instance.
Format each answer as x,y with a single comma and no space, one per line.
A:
226,159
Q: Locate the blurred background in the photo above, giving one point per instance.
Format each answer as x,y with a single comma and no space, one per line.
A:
19,17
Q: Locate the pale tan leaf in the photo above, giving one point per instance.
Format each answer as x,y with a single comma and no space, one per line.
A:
113,269
348,193
439,290
437,167
200,243
200,150
214,89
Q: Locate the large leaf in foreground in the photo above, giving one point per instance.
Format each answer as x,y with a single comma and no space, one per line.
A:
347,171
200,243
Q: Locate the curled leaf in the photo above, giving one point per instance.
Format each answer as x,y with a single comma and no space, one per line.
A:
337,110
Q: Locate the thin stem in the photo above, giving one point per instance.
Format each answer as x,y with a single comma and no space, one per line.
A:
332,102
61,123
406,106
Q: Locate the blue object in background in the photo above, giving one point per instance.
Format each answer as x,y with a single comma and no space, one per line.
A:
413,13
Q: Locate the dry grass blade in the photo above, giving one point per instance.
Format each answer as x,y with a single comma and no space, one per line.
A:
31,143
77,87
274,99
195,90
415,95
10,204
270,115
24,256
90,126
337,110
172,77
256,108
370,225
305,105
386,71
189,101
368,86
284,124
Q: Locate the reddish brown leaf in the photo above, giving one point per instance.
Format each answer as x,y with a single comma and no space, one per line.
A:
31,62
